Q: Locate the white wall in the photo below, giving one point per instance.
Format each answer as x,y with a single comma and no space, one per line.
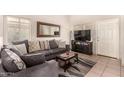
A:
1,30
1,25
122,39
82,19
61,20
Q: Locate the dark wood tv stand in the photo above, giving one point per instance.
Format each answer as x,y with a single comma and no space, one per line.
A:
82,46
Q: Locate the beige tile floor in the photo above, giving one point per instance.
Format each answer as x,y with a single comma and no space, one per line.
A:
104,67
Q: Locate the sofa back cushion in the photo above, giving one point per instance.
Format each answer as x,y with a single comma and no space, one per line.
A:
33,59
34,46
53,44
11,61
42,45
22,42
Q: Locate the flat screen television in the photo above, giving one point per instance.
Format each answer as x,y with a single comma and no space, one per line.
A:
82,35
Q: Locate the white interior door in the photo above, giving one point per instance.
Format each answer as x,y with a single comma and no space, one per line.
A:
108,38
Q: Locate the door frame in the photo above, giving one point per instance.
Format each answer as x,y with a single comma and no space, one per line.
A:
117,43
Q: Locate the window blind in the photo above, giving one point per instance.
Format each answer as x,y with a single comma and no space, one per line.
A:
18,29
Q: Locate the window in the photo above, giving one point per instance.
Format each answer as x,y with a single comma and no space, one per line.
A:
17,29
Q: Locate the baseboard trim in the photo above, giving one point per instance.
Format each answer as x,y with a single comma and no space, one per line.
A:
107,56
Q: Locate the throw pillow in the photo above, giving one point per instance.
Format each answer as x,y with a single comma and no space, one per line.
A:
12,48
34,46
11,61
22,42
21,48
57,42
16,51
53,44
33,59
46,44
42,45
62,44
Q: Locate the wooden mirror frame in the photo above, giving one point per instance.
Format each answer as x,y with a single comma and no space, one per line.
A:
48,24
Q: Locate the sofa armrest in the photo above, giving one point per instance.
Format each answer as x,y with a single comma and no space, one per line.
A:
3,73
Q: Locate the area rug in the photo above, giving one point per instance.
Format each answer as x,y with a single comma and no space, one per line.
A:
79,69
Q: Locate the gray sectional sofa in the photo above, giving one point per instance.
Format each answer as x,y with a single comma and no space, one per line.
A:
49,53
47,69
39,63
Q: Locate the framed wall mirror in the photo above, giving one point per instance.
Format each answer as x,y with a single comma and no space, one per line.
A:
47,30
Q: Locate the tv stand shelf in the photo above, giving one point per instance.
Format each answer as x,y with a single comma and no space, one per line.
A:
82,46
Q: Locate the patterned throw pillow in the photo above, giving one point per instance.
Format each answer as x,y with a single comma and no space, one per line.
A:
42,45
12,48
46,44
21,48
22,42
11,61
34,46
62,44
57,42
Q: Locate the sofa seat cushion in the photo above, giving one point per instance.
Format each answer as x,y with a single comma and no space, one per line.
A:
49,69
33,59
58,50
45,52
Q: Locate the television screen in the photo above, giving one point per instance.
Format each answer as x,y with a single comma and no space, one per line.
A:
82,35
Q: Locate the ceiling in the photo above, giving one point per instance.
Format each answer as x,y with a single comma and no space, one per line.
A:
81,19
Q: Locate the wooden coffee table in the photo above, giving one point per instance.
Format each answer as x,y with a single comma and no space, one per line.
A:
66,57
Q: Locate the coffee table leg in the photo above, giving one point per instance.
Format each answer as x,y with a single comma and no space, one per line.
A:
56,59
65,70
65,66
77,58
